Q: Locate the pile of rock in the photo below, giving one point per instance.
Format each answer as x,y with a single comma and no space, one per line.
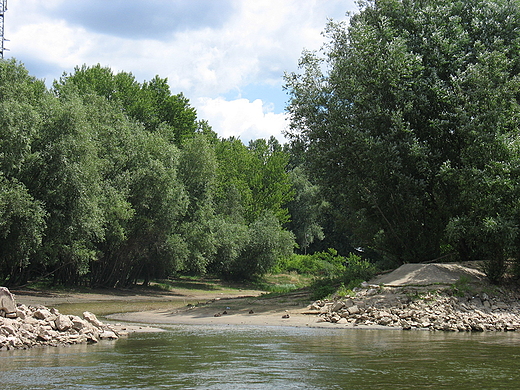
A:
25,327
406,308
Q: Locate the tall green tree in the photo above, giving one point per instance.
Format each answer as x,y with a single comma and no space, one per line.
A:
22,226
411,111
151,103
306,210
197,171
65,174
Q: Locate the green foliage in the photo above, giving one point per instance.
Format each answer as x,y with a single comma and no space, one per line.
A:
357,271
150,103
107,181
354,271
329,270
256,176
22,223
323,264
461,287
305,209
409,123
266,243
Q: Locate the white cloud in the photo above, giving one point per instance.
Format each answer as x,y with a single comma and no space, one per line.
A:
253,43
242,118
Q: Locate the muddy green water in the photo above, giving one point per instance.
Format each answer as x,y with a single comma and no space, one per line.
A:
242,357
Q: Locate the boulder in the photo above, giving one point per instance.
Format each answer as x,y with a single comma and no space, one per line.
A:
91,318
44,314
7,302
108,335
353,310
78,323
63,323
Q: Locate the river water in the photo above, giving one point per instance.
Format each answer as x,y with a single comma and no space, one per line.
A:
246,357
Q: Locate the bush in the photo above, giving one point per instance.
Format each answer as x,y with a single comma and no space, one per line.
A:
351,272
322,264
266,242
358,270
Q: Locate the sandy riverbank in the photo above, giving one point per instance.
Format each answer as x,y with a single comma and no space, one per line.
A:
250,307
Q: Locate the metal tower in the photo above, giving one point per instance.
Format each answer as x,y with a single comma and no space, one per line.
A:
3,8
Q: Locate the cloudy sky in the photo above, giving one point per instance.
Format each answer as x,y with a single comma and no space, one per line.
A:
227,56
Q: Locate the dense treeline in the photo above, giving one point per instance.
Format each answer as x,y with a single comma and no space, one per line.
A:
106,181
404,148
410,123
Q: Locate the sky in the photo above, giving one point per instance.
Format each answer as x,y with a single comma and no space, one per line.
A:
227,57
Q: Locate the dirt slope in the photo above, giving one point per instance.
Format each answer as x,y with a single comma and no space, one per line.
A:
428,274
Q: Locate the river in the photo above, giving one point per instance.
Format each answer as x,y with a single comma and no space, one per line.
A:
247,357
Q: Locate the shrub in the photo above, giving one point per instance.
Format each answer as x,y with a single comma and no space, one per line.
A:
323,264
358,270
351,272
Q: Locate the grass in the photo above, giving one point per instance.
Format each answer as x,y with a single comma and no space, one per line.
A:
283,282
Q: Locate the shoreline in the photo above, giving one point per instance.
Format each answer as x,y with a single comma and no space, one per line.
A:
435,297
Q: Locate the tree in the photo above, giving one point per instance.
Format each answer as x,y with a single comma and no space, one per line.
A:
305,209
263,244
22,224
269,181
197,171
150,103
415,105
65,173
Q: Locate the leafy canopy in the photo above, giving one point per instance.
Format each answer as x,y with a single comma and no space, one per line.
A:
409,122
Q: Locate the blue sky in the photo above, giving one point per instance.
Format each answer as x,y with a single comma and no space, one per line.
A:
227,56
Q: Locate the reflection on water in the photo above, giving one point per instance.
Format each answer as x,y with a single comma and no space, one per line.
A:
219,357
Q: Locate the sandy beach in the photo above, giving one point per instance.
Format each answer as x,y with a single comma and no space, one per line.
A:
140,309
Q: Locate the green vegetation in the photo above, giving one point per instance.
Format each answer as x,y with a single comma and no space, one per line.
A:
404,148
461,287
329,272
105,181
409,123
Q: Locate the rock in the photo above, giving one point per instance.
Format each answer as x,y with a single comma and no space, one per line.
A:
39,326
91,318
7,302
353,310
44,314
108,334
20,314
63,323
78,323
384,321
7,330
348,303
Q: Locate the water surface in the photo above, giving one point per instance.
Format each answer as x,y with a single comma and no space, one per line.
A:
245,357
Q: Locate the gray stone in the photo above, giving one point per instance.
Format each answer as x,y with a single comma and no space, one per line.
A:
63,323
7,302
108,334
91,318
43,314
353,310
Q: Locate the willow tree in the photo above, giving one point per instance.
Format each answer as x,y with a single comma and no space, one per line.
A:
409,121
